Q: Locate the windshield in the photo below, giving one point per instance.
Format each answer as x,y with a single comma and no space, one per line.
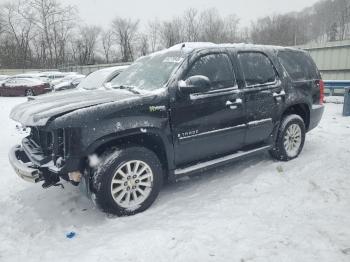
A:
150,72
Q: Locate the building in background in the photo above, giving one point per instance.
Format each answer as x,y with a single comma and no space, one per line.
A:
332,58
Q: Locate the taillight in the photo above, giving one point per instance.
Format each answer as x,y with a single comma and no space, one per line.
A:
321,86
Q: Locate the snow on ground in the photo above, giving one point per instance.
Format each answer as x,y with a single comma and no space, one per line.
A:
255,210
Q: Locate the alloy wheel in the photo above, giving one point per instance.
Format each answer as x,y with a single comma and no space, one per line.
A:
132,184
292,140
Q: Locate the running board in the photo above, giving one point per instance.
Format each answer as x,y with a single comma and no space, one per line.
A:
219,161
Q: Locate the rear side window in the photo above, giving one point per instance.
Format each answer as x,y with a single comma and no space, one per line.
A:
257,68
299,66
217,67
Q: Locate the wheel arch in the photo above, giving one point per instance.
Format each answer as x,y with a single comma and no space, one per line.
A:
301,109
153,141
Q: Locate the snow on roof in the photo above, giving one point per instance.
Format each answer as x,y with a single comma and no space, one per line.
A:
188,47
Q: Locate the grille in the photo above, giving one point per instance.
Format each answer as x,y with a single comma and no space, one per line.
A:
42,139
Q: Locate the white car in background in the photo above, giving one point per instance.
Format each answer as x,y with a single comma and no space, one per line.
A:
101,78
68,82
30,75
52,75
3,78
67,77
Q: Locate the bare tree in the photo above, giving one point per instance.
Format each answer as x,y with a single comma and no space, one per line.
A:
107,43
20,30
153,32
143,44
54,23
44,33
171,32
85,44
212,26
125,31
191,25
231,28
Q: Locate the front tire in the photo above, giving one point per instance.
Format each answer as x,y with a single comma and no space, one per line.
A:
290,138
127,181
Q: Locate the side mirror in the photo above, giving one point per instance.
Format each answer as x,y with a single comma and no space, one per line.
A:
195,84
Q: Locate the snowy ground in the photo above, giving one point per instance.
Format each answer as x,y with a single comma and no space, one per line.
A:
256,210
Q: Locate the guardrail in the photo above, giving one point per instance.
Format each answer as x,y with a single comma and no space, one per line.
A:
332,85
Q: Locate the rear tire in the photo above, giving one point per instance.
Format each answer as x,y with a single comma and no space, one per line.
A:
290,138
127,181
29,92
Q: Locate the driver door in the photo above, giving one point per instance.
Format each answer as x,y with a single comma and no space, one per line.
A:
207,125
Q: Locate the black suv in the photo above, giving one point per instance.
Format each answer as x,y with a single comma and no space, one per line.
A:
170,114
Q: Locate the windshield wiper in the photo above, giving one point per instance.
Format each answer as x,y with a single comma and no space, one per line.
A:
132,89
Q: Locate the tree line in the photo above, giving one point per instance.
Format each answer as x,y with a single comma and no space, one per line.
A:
48,34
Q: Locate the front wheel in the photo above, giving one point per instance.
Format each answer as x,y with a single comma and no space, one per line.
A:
290,138
127,181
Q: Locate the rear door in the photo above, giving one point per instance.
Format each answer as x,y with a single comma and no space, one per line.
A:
263,95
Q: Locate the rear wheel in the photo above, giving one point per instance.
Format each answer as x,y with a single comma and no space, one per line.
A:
29,92
290,138
127,181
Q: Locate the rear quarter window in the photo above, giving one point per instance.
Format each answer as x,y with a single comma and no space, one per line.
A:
299,65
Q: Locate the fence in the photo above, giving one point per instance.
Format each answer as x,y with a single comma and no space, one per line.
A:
22,71
85,70
336,87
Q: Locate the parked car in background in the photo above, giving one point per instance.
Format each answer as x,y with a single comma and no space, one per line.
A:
24,87
67,77
68,82
52,75
3,78
101,78
30,75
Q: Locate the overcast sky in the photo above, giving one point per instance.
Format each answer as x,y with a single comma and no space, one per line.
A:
102,12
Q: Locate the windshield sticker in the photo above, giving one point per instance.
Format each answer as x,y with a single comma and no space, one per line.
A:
172,59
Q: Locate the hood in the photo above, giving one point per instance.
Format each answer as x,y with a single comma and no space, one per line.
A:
39,111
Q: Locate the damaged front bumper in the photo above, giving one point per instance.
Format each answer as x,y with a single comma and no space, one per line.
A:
50,175
23,167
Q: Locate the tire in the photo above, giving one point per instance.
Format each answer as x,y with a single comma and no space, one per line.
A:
29,92
290,138
140,189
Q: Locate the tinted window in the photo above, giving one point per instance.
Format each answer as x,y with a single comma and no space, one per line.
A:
217,67
298,65
257,68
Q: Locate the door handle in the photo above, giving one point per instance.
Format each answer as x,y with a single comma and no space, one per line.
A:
235,104
280,94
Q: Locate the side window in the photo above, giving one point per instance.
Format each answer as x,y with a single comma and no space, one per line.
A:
299,66
217,67
257,68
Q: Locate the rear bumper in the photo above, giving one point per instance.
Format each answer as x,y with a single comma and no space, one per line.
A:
316,113
22,165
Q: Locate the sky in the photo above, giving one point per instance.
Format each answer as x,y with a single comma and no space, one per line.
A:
102,12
